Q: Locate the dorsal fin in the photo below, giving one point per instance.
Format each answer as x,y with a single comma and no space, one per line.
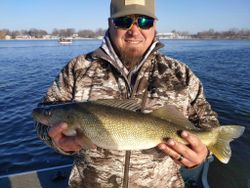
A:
126,104
171,114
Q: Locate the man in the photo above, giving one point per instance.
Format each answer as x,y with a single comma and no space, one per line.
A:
129,65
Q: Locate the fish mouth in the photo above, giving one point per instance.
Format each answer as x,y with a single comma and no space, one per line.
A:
38,115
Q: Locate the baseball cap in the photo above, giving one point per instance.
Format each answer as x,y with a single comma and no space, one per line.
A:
119,8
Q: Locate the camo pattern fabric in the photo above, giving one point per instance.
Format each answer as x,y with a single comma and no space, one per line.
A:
160,80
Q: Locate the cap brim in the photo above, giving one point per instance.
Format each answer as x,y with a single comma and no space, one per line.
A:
127,12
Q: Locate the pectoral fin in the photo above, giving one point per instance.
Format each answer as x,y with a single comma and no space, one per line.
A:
87,143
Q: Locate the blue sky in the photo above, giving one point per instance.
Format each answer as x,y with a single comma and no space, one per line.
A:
181,15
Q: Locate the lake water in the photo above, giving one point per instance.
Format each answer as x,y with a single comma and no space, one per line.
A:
28,68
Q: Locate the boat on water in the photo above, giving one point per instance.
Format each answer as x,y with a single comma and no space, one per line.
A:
66,40
57,177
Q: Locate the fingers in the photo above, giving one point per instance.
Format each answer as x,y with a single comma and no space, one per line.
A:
172,153
194,142
69,144
66,143
196,145
56,131
180,153
182,149
189,155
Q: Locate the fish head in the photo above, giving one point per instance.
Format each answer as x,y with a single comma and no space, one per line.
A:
50,115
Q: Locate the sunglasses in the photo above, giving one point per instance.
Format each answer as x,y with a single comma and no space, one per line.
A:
126,22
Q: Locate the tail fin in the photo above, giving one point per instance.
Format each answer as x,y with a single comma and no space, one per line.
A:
221,149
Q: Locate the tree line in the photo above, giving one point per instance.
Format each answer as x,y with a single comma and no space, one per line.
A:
230,34
88,33
212,34
39,33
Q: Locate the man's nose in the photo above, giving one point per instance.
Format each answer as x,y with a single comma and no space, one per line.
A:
134,30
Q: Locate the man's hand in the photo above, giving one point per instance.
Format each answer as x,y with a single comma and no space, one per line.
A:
69,143
190,155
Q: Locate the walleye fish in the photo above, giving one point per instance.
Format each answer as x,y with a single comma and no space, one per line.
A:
119,125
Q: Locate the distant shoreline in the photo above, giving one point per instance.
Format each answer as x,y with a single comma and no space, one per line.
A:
41,39
36,34
79,39
49,39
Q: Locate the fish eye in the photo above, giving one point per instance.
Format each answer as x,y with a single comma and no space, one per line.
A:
47,112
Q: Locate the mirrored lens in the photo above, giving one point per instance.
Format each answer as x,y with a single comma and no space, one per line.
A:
123,22
145,22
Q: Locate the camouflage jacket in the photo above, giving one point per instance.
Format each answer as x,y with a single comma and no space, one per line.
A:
99,75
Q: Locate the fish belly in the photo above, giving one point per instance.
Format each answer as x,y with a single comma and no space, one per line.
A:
127,131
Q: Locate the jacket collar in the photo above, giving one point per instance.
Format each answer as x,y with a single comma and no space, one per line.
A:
107,52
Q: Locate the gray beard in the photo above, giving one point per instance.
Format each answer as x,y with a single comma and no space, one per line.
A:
129,60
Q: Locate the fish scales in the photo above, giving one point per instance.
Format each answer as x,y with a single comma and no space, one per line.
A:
126,130
115,124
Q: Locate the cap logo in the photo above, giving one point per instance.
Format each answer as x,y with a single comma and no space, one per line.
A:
135,2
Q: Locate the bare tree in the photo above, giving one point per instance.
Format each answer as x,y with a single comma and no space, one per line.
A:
55,32
2,35
87,33
100,32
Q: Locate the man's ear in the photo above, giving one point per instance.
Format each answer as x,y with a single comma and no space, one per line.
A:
109,22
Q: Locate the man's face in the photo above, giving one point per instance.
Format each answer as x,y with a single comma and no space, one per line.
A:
131,43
